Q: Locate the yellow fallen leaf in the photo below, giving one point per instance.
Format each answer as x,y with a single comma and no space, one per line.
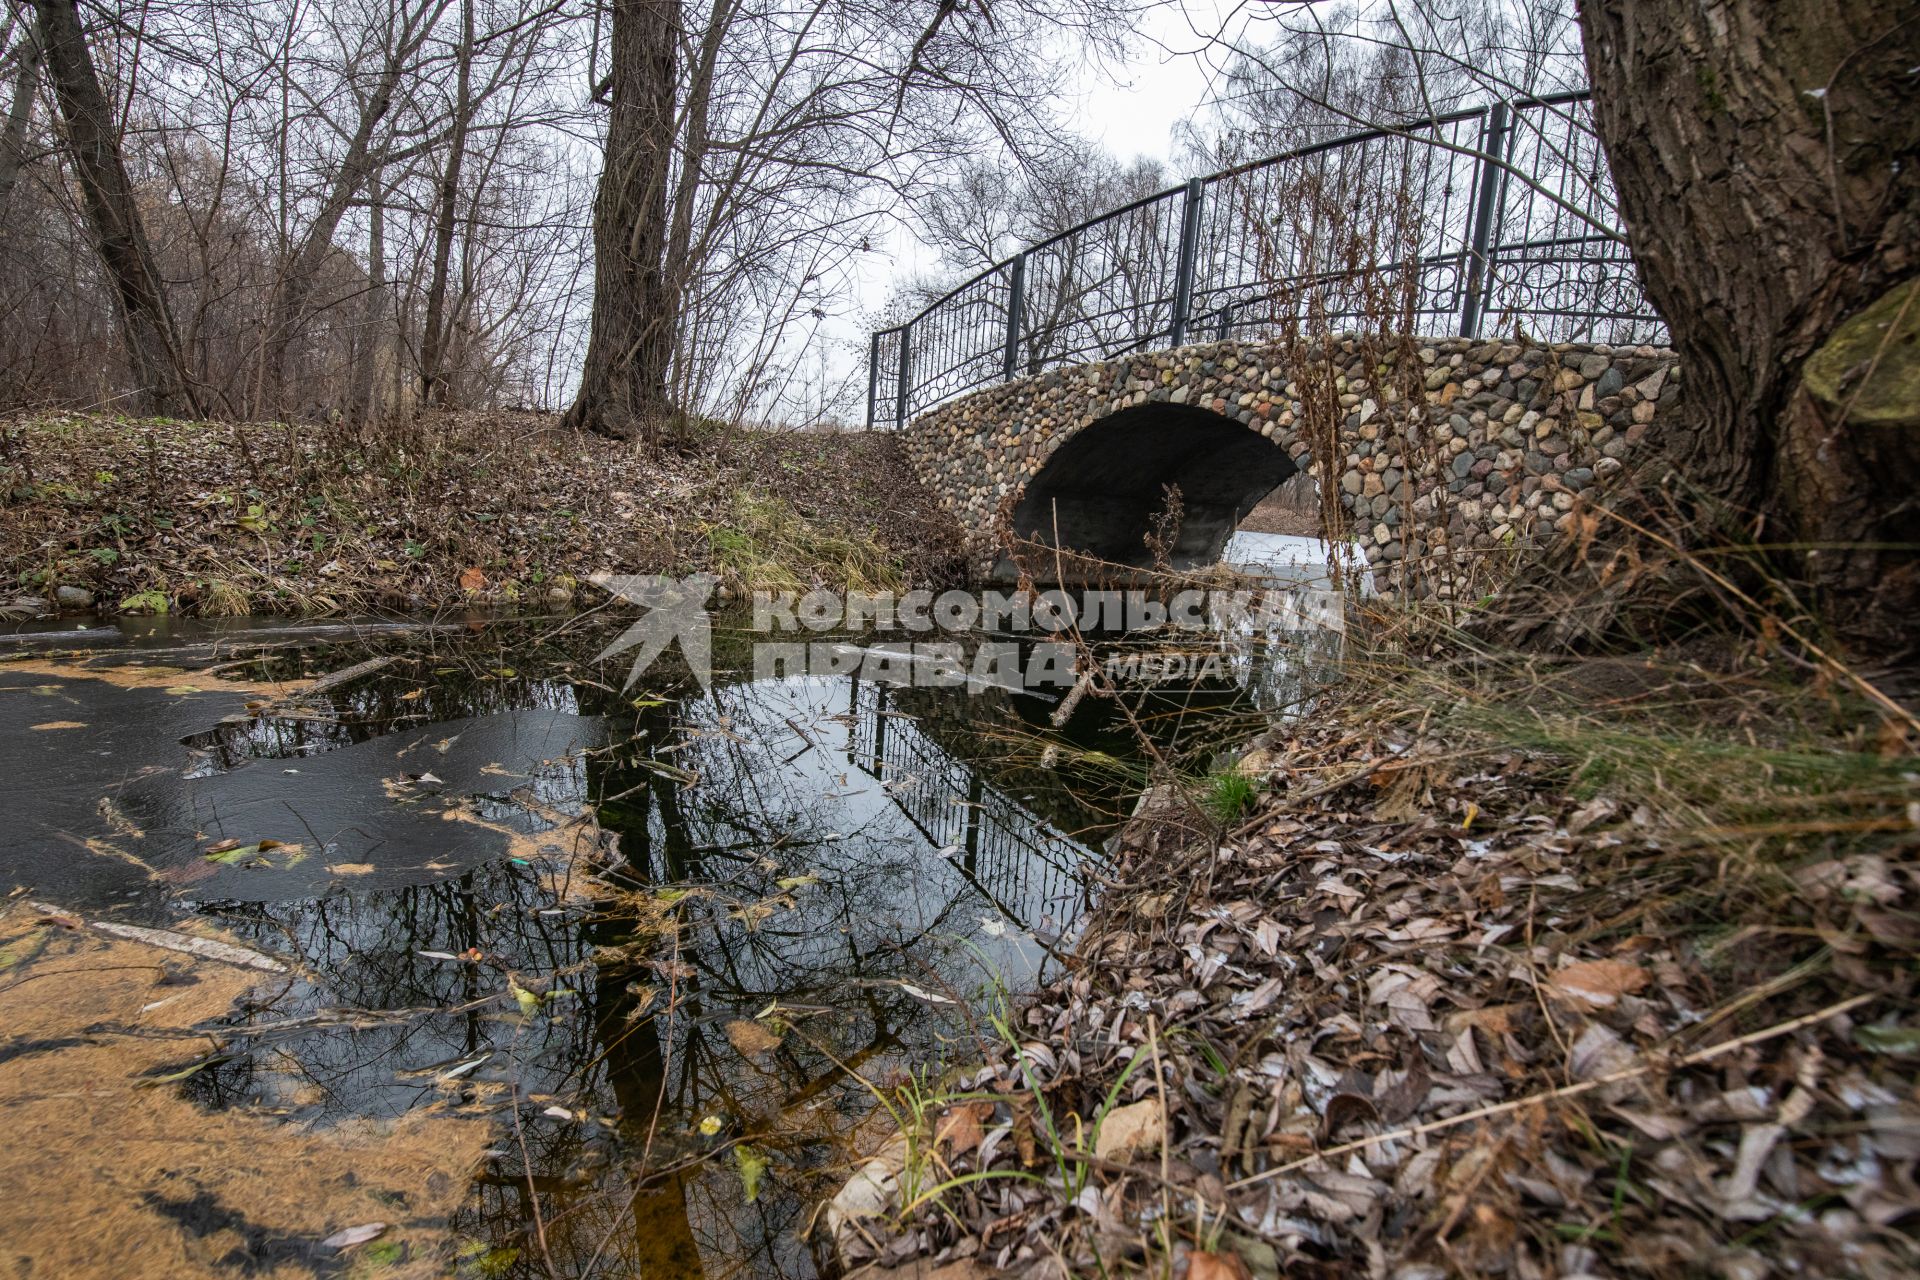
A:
351,869
753,1167
62,724
1129,1129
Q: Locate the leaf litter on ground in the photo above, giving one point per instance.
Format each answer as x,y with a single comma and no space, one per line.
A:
1436,1042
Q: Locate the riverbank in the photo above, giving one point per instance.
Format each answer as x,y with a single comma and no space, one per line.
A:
1512,966
495,508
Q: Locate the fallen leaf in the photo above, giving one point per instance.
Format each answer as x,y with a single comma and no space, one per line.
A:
1399,1101
62,724
1215,1266
473,580
753,1167
1024,1141
354,1235
1599,983
1898,1041
1598,1052
961,1126
351,869
750,1039
1129,1129
1345,1108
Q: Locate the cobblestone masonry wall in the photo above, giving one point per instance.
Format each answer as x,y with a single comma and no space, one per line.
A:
1501,440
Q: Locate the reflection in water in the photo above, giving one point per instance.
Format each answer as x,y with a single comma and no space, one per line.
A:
803,846
852,869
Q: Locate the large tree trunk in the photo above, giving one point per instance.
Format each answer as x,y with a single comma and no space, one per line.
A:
93,141
623,388
1767,157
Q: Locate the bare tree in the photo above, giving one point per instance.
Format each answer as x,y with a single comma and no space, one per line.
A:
623,388
120,237
23,53
796,132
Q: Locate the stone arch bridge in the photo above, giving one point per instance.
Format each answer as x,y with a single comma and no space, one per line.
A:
1062,387
1446,450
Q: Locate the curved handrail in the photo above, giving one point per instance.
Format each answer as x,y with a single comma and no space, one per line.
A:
1493,165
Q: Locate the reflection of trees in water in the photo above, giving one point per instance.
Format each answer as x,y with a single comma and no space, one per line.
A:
775,797
856,786
421,688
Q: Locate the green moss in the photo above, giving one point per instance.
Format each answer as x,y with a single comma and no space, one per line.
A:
1870,366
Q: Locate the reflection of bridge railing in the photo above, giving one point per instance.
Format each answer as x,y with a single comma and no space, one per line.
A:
1029,870
1509,218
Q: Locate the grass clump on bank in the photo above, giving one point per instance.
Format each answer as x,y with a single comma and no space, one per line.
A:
764,544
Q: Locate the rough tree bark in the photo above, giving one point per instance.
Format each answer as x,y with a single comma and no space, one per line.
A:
623,386
120,237
1767,158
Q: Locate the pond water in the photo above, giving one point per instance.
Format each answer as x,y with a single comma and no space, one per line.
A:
639,928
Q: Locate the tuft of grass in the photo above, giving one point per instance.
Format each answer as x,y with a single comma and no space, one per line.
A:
766,545
1227,794
224,598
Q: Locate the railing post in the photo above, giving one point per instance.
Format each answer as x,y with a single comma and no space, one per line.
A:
873,376
1016,317
1493,140
1189,247
905,385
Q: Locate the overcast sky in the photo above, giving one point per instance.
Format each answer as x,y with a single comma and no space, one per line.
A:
1132,108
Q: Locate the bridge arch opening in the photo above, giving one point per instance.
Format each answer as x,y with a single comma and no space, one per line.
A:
1102,489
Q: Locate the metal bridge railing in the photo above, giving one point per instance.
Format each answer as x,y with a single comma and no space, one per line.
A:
1471,223
1015,859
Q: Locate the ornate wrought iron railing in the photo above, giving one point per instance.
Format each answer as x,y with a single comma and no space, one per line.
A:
1017,860
1481,221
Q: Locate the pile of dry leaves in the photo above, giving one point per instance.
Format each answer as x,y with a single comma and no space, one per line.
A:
1409,1021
